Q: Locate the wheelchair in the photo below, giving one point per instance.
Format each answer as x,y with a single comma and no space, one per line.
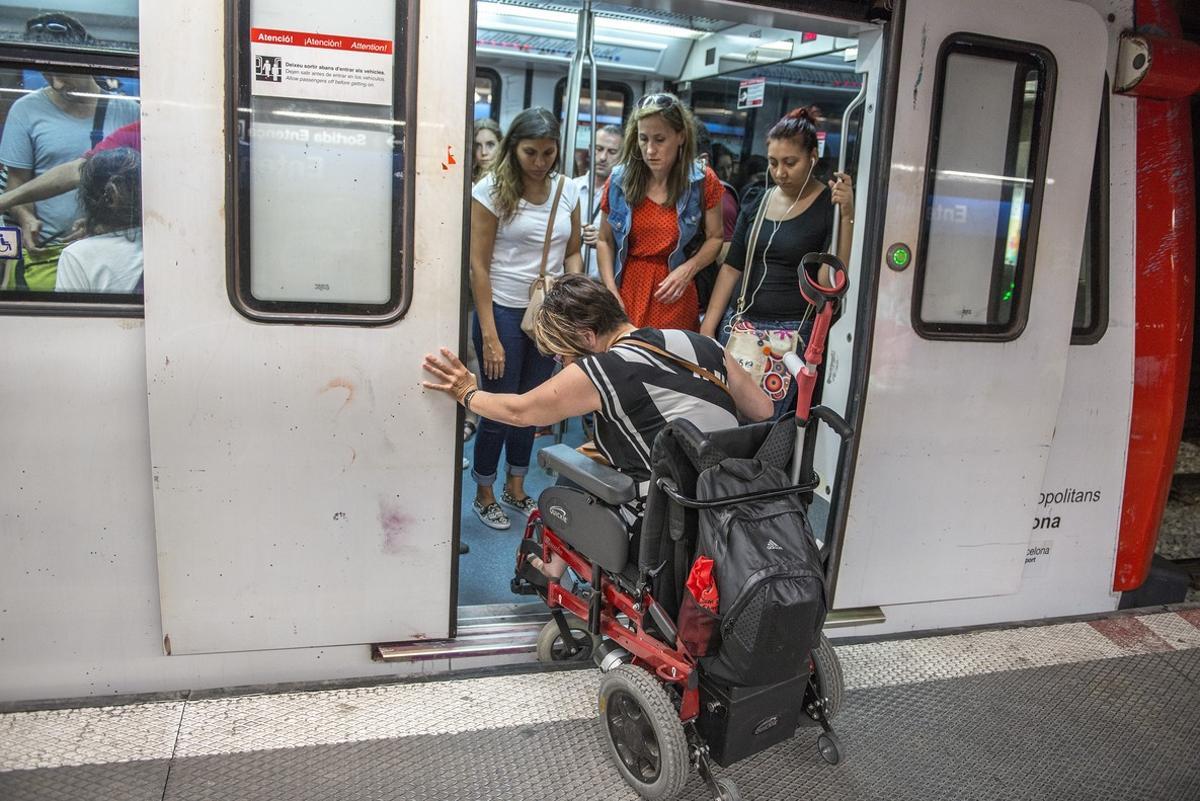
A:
663,709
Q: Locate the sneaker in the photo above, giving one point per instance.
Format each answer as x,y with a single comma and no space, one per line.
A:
525,506
491,515
466,463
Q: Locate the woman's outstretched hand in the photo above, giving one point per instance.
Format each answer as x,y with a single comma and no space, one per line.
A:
452,376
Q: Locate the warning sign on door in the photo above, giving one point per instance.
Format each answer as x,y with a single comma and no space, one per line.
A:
750,93
318,66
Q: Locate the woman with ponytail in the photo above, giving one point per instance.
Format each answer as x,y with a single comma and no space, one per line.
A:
658,203
795,217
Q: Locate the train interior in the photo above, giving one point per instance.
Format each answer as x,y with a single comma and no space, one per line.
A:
739,78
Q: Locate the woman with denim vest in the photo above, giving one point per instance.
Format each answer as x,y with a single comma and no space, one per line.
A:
657,202
510,214
798,220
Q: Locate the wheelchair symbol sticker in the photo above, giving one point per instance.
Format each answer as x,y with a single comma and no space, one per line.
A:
10,242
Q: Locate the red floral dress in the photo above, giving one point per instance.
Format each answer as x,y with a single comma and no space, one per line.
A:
653,234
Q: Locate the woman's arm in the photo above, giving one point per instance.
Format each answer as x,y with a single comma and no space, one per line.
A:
722,291
483,240
676,283
573,261
606,248
569,393
750,400
842,195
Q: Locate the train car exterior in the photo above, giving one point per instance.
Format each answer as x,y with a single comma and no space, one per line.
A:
240,481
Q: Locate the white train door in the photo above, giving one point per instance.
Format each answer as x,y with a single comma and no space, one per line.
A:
992,155
304,485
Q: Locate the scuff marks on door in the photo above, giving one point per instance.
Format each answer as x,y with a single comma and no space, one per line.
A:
920,66
395,527
341,383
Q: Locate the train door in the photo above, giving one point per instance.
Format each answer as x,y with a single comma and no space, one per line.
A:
995,112
304,484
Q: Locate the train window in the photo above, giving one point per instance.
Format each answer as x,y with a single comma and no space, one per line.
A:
487,94
982,190
70,169
321,223
1091,300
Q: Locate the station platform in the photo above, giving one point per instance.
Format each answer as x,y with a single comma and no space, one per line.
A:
1095,709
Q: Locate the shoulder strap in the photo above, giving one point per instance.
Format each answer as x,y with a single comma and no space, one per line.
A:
98,120
550,226
751,244
708,375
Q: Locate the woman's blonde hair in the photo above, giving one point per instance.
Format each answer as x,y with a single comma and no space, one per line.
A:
575,306
484,124
637,174
532,123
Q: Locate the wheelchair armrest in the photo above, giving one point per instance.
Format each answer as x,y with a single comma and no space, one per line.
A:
604,482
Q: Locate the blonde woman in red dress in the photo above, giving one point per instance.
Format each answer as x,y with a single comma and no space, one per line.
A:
662,220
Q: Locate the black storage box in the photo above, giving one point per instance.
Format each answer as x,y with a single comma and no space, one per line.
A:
738,722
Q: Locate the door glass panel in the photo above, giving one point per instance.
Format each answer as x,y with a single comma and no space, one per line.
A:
976,255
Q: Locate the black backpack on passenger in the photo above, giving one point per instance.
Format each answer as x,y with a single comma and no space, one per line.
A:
769,575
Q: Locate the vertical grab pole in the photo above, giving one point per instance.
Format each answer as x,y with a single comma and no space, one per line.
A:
842,148
593,122
574,81
802,456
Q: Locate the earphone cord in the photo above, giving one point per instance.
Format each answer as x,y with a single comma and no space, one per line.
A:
771,239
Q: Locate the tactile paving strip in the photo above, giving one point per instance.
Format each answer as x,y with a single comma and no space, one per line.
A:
88,736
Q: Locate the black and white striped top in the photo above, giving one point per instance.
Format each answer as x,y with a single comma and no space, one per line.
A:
641,391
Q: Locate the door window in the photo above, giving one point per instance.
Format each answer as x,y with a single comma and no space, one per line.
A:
983,189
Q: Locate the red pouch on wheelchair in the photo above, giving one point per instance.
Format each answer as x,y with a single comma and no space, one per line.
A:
699,624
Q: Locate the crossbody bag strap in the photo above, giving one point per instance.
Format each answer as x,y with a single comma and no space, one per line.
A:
708,375
752,243
550,226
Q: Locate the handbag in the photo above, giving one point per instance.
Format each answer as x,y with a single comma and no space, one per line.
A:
541,285
760,351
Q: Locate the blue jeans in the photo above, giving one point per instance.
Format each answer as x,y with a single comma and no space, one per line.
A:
524,369
788,402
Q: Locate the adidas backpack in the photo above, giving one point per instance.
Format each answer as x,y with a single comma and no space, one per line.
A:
770,579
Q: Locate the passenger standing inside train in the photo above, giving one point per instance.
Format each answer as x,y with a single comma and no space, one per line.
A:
523,214
798,219
486,138
657,202
608,150
109,257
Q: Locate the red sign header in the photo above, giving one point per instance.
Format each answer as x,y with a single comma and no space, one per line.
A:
323,40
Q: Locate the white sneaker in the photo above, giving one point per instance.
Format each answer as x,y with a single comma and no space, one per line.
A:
491,515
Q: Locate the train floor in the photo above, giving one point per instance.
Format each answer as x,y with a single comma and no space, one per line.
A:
1105,708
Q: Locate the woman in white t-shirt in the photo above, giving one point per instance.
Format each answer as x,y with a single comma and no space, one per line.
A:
109,259
510,213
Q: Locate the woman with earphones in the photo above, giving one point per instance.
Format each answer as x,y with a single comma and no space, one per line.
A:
793,218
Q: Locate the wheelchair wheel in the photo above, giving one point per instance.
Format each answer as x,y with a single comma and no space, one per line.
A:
729,790
645,738
552,647
828,670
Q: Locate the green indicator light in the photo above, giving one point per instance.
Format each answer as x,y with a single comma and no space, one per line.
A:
900,257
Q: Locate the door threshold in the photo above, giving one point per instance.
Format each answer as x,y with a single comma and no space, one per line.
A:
484,630
512,629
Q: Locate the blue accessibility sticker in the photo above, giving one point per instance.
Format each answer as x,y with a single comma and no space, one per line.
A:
10,242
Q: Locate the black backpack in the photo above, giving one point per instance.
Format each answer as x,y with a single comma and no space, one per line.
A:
769,574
